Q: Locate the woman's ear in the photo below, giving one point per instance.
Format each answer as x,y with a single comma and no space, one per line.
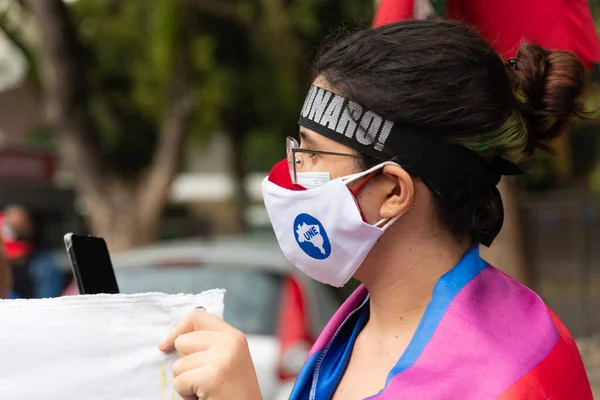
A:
401,192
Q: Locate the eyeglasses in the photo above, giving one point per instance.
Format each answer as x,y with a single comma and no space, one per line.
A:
297,157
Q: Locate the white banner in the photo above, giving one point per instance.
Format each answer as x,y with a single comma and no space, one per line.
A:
100,347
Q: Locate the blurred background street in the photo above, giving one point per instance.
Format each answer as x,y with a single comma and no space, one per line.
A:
152,123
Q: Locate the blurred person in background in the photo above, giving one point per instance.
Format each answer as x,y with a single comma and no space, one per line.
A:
35,273
404,136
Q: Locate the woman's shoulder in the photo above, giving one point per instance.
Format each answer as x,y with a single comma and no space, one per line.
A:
494,303
492,338
517,327
559,375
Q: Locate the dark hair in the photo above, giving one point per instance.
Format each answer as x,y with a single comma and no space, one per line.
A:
443,77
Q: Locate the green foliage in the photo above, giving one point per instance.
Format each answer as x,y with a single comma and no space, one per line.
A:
134,45
250,69
127,77
249,62
275,76
595,7
259,68
587,147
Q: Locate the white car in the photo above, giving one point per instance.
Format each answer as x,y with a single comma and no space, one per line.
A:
280,310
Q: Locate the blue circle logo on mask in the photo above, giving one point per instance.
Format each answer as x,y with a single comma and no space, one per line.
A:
312,237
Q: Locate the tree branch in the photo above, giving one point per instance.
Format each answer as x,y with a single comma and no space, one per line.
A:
175,128
169,151
66,94
14,36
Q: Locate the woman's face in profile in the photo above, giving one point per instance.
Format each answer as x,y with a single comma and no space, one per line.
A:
337,166
370,197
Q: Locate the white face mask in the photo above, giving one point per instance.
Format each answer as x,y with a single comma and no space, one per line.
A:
312,180
321,230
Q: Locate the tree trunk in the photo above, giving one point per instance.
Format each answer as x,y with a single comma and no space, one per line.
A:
116,216
238,169
236,131
508,250
126,214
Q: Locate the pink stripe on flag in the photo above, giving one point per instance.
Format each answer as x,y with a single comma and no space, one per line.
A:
493,333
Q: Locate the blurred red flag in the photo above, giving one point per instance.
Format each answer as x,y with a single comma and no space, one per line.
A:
554,24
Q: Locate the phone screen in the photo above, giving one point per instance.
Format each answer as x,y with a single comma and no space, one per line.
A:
91,264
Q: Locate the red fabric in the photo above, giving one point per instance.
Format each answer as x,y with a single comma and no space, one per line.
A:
17,249
560,376
357,189
292,328
390,11
280,175
293,323
13,248
554,24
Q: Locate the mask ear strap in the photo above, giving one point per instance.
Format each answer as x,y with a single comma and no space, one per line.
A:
371,173
361,185
384,225
353,177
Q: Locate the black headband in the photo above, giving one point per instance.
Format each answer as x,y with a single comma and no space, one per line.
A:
421,153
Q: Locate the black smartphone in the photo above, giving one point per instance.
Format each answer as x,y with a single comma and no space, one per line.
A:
91,265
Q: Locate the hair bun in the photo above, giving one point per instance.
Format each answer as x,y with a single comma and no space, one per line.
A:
548,86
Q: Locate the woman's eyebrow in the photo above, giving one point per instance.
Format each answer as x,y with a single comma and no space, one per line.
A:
306,139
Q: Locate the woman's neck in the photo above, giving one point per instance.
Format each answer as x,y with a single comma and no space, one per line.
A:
400,278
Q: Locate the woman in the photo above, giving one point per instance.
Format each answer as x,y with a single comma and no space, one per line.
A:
404,136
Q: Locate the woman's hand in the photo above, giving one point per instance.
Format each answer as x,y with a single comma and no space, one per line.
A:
215,361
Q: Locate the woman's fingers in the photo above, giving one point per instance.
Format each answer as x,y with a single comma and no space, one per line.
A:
188,363
216,362
199,382
197,341
195,321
